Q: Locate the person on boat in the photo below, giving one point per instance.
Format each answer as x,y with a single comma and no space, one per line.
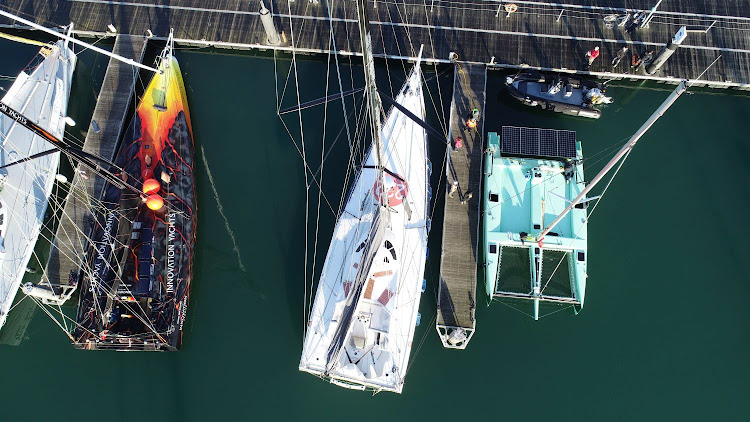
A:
620,55
592,54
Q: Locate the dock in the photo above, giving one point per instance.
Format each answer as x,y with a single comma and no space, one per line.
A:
545,35
458,266
107,125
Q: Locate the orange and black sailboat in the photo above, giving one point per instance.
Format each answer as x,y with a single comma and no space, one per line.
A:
137,271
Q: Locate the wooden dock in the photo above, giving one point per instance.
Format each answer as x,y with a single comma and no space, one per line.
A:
537,34
458,267
102,139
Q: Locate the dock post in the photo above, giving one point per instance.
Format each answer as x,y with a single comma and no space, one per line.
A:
272,37
664,54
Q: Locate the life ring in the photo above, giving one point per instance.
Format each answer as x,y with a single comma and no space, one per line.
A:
511,7
396,191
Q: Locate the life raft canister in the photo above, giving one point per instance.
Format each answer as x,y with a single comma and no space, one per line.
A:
396,190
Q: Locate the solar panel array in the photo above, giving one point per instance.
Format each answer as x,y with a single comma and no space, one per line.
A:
538,142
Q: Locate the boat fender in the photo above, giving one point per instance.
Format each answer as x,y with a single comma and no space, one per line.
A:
508,80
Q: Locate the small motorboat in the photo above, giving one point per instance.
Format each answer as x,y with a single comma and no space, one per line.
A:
563,94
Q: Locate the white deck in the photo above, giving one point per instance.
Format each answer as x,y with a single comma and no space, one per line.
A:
42,97
376,349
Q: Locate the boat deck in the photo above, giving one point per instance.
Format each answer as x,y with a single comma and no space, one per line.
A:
458,267
102,139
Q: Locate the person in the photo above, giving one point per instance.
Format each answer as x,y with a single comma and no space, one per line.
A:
635,61
620,55
454,188
467,197
647,57
592,54
458,143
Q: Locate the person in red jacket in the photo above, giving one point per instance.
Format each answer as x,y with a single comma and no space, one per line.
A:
592,54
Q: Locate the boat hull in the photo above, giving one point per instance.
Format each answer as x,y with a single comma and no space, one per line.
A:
362,322
138,269
530,89
41,95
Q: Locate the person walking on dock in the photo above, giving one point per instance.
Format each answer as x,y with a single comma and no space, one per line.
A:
620,55
592,54
635,61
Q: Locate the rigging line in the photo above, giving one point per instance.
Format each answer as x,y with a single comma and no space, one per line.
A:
500,300
59,308
46,311
382,40
308,169
554,312
443,121
304,163
320,191
338,75
17,303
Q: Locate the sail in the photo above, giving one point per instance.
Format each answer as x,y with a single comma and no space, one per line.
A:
41,94
138,269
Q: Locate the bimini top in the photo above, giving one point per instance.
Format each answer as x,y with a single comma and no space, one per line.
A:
524,193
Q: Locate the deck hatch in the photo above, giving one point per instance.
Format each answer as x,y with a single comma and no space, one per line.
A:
538,142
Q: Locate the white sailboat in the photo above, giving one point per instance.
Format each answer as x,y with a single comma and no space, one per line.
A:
39,94
362,323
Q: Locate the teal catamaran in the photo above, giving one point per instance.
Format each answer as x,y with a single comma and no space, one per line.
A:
535,216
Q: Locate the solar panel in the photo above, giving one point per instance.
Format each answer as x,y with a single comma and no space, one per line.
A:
538,142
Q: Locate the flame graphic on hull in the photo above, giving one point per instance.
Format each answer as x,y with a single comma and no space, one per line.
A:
139,267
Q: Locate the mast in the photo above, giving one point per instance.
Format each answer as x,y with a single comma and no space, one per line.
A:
371,89
76,41
681,88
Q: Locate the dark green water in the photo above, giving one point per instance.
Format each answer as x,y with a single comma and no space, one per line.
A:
664,334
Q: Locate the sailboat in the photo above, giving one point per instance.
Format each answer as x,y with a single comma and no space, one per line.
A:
361,325
138,268
28,164
535,216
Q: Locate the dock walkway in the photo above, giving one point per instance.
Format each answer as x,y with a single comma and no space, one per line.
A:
102,139
539,34
457,291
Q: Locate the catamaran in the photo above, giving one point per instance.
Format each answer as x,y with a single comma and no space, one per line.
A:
362,323
530,176
28,164
138,268
535,216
